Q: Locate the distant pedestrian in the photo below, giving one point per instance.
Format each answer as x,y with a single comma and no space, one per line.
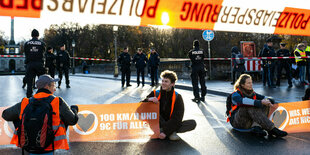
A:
171,108
301,62
153,62
197,56
63,64
124,59
238,63
84,66
34,52
58,115
50,61
283,63
140,60
248,107
268,64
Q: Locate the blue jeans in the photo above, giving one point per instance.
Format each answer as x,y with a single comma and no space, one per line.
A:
302,72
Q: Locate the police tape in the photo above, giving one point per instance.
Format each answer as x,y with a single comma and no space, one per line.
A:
175,59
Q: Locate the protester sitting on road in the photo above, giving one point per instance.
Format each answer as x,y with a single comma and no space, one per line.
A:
60,117
171,108
307,95
249,107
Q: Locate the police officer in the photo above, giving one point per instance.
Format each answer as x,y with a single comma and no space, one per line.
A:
63,64
284,63
124,59
197,56
50,61
34,52
268,64
154,61
301,62
140,61
307,50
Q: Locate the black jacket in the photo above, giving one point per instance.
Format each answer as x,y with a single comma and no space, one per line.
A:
169,125
283,53
50,59
68,116
267,52
197,57
34,50
154,60
63,59
139,60
124,59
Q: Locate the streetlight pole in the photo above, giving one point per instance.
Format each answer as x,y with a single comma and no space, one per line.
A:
115,29
73,63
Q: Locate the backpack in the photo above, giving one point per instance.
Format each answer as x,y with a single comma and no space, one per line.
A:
35,132
240,61
228,104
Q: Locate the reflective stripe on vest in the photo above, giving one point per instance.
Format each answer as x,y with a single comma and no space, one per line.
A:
174,95
302,54
234,107
60,141
307,49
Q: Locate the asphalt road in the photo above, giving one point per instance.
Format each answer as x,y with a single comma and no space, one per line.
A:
211,136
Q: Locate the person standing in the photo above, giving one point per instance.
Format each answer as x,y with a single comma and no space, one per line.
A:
307,50
301,62
284,63
140,61
63,64
268,64
62,117
197,56
124,59
238,63
50,62
154,63
34,53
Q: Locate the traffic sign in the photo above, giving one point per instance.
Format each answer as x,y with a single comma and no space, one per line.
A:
208,35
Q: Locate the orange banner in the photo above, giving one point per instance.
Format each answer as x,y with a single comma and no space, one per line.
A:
6,129
21,8
116,122
291,117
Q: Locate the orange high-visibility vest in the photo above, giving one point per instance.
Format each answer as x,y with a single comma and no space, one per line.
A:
174,95
234,107
60,141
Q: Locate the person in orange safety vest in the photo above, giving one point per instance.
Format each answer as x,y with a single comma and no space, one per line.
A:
63,115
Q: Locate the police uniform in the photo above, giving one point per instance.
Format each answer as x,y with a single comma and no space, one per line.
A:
50,62
284,63
301,63
268,65
154,63
34,52
124,60
63,65
307,50
140,61
197,56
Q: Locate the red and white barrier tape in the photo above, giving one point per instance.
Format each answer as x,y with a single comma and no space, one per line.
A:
172,59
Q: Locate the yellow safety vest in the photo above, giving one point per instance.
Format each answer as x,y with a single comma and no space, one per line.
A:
307,49
302,54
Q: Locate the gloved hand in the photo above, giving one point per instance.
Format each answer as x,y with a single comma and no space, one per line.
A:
74,108
271,100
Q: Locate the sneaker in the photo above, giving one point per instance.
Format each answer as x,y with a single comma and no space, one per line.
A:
68,86
174,136
196,100
276,132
